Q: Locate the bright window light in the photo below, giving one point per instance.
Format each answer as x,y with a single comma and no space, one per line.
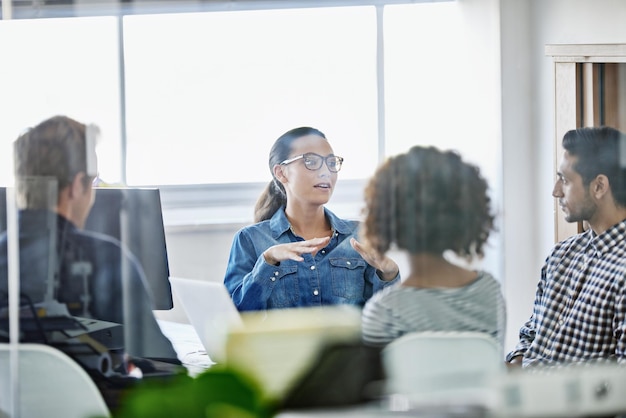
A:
207,97
66,66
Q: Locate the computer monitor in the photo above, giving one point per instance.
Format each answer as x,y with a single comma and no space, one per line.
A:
133,216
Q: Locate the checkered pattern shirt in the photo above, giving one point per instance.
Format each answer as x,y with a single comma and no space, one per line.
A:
580,305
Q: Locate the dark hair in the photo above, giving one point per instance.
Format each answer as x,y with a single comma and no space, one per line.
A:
600,150
429,201
273,196
54,150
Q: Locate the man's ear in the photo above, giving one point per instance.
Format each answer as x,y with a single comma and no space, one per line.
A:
600,186
77,186
279,173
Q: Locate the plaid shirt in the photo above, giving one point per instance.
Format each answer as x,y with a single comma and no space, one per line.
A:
580,305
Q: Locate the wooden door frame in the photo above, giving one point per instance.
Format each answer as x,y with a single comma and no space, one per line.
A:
575,100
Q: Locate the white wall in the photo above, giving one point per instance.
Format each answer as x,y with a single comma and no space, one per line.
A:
521,256
528,127
197,252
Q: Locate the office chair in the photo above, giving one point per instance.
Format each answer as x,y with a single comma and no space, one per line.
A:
442,368
51,385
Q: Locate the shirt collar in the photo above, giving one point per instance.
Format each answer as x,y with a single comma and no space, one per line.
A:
605,241
32,220
279,224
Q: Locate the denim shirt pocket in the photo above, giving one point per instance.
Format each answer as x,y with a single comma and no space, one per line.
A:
286,291
348,277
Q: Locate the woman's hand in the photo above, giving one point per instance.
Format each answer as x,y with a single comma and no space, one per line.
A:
293,250
384,264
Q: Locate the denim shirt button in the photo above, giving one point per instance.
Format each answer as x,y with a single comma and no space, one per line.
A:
273,279
323,251
312,267
315,292
348,263
275,273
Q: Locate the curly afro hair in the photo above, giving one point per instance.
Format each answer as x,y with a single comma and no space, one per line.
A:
428,201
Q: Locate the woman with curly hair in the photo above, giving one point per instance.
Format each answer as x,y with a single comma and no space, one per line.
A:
429,203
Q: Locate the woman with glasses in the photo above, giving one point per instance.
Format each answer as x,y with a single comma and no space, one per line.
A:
299,253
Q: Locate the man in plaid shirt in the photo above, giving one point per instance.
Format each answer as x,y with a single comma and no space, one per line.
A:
579,313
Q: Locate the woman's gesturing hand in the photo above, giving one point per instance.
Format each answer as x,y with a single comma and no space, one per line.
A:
294,250
385,265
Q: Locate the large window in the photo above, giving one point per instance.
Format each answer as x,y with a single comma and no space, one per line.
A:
196,99
207,97
67,66
438,88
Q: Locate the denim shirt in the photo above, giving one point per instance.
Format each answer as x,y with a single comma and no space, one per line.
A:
337,274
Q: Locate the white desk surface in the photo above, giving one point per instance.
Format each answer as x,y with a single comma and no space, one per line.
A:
187,344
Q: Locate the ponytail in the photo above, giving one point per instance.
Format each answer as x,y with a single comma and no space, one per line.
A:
271,199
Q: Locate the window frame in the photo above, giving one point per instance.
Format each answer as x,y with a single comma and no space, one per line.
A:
197,205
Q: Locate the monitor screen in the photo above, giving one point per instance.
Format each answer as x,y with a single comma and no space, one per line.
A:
133,216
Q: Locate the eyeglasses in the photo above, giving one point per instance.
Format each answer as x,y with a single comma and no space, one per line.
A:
314,161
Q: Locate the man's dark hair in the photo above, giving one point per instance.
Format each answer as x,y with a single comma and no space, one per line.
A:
600,150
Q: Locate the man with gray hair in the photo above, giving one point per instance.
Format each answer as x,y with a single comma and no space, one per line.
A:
92,275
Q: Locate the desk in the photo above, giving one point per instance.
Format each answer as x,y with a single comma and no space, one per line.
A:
187,345
538,395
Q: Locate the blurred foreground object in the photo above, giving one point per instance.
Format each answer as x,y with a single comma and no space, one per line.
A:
432,368
51,384
217,393
278,347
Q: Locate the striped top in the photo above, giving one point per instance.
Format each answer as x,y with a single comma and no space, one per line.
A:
398,310
580,304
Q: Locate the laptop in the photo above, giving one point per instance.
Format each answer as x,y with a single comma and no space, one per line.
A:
210,311
277,347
